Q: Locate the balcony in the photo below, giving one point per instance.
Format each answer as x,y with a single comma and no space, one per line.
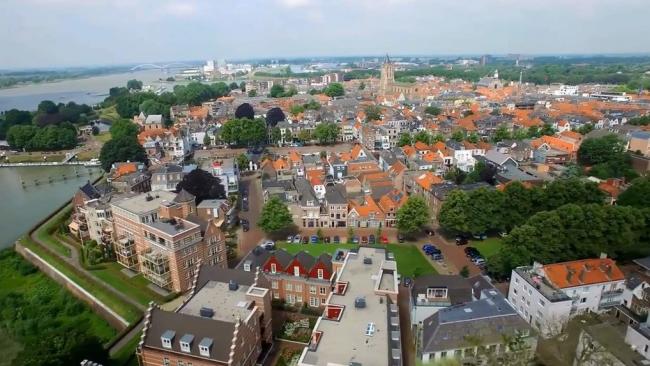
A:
155,267
610,298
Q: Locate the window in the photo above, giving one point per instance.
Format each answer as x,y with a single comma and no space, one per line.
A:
274,284
370,329
276,295
323,301
323,290
541,302
166,361
436,293
288,286
645,349
272,267
514,291
299,299
297,288
180,363
320,274
296,271
583,300
443,354
312,289
247,267
313,301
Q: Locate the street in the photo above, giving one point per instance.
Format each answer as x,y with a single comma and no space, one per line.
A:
246,241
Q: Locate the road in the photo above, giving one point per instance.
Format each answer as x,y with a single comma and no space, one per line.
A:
246,241
406,331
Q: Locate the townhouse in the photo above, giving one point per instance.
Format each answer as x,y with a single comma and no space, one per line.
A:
225,320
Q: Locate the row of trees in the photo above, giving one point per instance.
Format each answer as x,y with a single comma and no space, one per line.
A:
123,145
488,210
32,138
244,132
606,157
279,91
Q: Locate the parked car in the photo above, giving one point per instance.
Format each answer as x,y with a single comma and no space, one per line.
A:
364,240
244,206
296,239
336,239
430,249
437,256
461,240
289,239
479,261
245,225
314,239
371,239
430,232
384,239
305,240
355,239
471,252
408,281
481,236
268,245
400,238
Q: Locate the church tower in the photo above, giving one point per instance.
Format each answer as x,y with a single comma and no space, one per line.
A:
387,79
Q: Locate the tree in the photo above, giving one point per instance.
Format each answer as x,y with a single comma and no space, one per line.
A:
245,110
242,86
326,133
458,136
120,149
334,90
242,162
207,141
405,138
252,93
598,150
362,85
473,137
304,135
276,135
424,137
455,175
296,109
20,136
637,194
273,116
134,84
312,104
501,134
151,106
277,91
547,130
14,117
95,130
453,213
275,216
464,272
585,129
123,127
202,185
233,86
432,110
220,89
373,113
413,215
47,106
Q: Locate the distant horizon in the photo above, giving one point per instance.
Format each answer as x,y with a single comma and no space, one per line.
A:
323,57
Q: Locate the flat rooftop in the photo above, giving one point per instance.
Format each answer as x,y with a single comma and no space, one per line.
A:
550,292
227,305
345,341
172,228
145,202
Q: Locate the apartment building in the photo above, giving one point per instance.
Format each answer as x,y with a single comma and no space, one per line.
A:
160,235
225,321
336,205
227,171
547,296
166,177
299,279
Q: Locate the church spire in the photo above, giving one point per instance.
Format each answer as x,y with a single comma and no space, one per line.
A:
387,59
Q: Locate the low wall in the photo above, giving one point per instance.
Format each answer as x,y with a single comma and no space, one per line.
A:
95,304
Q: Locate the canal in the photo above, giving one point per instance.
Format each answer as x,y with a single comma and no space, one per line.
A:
22,207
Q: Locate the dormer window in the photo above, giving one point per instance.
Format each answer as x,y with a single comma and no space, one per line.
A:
186,343
167,338
247,267
273,268
320,274
204,347
296,271
436,293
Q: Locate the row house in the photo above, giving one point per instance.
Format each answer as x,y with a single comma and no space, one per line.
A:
160,235
225,320
299,279
228,173
91,215
553,150
365,213
128,177
390,203
165,144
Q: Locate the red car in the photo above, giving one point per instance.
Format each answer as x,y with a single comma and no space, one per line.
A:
384,239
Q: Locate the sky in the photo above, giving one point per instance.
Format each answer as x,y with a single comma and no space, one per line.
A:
54,33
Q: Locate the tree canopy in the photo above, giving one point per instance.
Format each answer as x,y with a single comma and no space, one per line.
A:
637,194
432,110
32,138
123,127
202,185
413,215
244,132
274,115
606,157
334,90
275,216
245,110
373,113
134,84
326,133
121,149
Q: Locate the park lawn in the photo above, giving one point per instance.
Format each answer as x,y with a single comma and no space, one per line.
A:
135,288
488,247
109,113
127,311
103,137
87,155
410,261
34,157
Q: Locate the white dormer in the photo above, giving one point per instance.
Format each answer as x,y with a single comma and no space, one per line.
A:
204,347
186,343
167,338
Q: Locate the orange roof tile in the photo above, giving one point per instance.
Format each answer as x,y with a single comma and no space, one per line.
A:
427,179
555,143
408,150
419,145
125,168
367,207
392,200
583,272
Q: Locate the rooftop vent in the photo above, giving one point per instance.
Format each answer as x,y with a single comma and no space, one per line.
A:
148,198
360,302
370,329
232,285
367,260
206,312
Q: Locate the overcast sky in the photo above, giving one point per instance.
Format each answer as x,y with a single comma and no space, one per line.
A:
41,33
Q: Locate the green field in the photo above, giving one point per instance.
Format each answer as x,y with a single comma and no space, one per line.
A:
43,233
30,299
103,137
135,288
410,261
109,113
487,247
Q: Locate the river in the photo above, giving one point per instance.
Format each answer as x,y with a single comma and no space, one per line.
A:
90,90
24,207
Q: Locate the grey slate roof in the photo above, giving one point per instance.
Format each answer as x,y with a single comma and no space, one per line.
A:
459,289
184,196
643,262
335,194
255,258
305,191
90,191
489,319
220,332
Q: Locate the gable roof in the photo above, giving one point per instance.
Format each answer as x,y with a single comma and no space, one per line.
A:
583,272
459,289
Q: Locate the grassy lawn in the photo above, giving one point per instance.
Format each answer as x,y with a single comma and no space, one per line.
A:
87,155
103,137
135,288
43,232
487,247
109,113
410,262
34,157
127,311
126,355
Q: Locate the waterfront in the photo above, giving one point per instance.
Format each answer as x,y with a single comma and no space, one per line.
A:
23,207
90,90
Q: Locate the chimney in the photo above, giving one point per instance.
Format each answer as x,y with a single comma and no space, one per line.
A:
581,276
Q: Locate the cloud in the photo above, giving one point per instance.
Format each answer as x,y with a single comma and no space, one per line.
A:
295,3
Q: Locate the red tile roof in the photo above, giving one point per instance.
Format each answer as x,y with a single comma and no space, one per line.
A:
583,272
